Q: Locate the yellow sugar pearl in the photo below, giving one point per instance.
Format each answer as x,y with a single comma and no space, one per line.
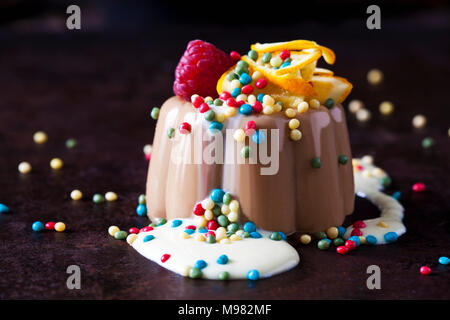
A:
225,241
110,196
199,237
239,135
208,204
235,84
208,99
375,76
60,226
131,238
302,107
332,232
256,75
277,107
294,124
230,112
363,115
76,195
251,99
295,134
234,205
225,209
24,167
56,163
201,222
377,172
290,113
221,233
362,239
268,100
419,121
40,137
186,270
147,148
276,61
209,215
242,97
382,224
367,159
314,103
355,105
386,108
184,235
193,97
268,110
235,237
232,216
112,230
305,238
220,117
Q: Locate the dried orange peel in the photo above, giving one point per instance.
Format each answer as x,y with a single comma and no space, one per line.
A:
329,86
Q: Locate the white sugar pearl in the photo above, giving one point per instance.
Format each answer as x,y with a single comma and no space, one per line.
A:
24,167
419,121
375,76
40,137
76,195
355,105
363,115
111,196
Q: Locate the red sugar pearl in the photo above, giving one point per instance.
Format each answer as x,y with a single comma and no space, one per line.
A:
257,107
247,89
197,101
211,233
285,54
146,229
261,83
250,128
133,230
425,270
50,225
198,210
185,128
359,167
359,224
235,55
191,227
342,250
203,108
148,156
212,225
240,103
419,187
351,245
356,232
225,95
165,257
231,103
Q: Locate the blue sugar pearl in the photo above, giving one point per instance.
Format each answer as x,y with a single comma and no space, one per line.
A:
148,238
341,231
223,259
390,237
189,231
3,208
235,92
258,137
141,210
444,260
356,240
217,195
249,227
396,195
176,223
38,226
215,125
200,264
286,64
371,240
255,235
246,109
203,230
260,97
283,235
245,79
253,274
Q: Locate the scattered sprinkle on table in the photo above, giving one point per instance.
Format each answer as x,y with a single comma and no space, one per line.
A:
76,195
355,105
4,208
60,226
419,121
363,115
38,226
71,143
98,198
56,163
110,196
24,167
425,270
40,137
386,108
112,230
375,76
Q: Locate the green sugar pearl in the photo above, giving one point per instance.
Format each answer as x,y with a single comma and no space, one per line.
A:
154,113
141,199
342,159
223,221
338,242
245,234
226,198
161,221
386,181
253,55
232,76
275,236
316,163
210,238
217,211
218,102
240,70
329,103
71,143
224,275
195,273
233,227
323,244
266,57
427,143
209,115
242,64
120,235
98,198
170,132
245,152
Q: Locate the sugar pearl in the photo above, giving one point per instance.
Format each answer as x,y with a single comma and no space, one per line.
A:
76,195
40,137
131,238
295,134
235,84
268,100
251,99
277,107
256,75
314,103
294,124
239,135
268,110
290,113
230,112
209,215
207,204
241,97
303,107
24,167
225,209
112,230
147,149
201,222
367,159
56,163
305,238
60,226
386,108
234,205
110,196
225,241
419,121
232,216
355,105
363,115
375,76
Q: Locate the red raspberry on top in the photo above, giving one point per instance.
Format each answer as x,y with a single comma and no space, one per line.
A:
199,69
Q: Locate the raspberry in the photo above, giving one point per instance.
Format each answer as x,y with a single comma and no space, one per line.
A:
199,69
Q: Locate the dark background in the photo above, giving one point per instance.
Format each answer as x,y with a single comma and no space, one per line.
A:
98,85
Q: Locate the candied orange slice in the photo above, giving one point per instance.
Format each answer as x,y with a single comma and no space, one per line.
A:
323,72
328,86
288,45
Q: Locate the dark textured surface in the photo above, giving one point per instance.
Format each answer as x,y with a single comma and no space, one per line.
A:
100,89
